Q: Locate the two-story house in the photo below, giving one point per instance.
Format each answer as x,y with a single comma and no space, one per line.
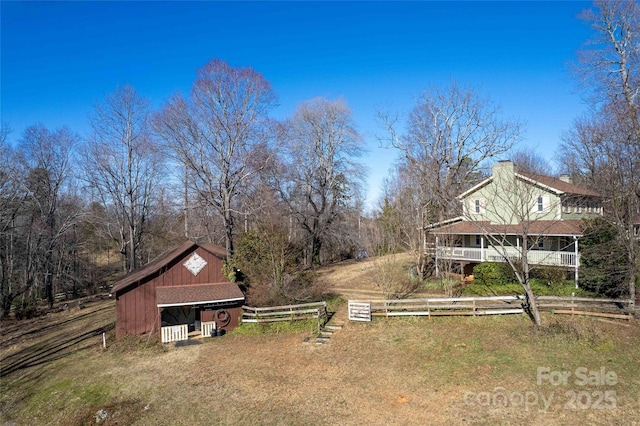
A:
513,214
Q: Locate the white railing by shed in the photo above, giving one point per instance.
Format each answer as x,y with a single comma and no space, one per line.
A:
207,327
492,254
175,333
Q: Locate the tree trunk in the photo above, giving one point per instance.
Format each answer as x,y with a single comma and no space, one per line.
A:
132,251
315,250
228,225
7,300
48,286
532,305
632,294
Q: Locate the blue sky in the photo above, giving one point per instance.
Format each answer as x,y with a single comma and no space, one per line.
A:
59,58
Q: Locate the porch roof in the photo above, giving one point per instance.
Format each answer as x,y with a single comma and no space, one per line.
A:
539,228
197,294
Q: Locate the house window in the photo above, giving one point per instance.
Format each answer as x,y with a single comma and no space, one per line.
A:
476,206
540,204
478,240
541,243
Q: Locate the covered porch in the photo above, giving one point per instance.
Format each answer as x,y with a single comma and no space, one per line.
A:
197,311
565,258
468,243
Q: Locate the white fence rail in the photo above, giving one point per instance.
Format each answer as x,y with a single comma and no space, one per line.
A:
175,333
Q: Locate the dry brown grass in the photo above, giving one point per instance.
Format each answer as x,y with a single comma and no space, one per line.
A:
398,371
360,278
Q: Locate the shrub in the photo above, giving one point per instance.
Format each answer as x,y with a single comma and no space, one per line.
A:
549,274
493,273
25,311
605,265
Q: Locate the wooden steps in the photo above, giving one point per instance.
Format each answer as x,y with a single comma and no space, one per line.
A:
326,333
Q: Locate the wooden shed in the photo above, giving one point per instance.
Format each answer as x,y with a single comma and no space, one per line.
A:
181,292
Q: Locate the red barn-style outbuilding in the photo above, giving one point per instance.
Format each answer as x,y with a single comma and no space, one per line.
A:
177,293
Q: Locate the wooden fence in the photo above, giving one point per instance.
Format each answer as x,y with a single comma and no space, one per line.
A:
494,305
316,310
609,308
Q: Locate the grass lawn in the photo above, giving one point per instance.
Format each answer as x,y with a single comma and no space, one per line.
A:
398,371
445,370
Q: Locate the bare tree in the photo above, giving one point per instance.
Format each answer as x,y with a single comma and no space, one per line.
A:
530,162
317,176
392,282
218,133
38,212
122,164
603,149
5,130
449,136
48,157
12,195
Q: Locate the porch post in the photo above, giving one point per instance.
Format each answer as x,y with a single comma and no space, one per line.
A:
577,263
482,248
437,272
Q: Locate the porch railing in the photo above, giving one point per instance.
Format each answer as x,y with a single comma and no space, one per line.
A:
175,333
492,254
207,327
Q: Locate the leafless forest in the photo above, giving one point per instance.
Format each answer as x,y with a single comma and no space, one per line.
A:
283,196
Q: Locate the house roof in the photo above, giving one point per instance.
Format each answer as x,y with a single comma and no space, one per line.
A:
559,185
553,184
163,260
537,227
197,294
